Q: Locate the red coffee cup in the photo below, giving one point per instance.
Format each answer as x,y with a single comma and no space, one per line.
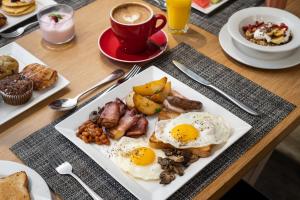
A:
133,38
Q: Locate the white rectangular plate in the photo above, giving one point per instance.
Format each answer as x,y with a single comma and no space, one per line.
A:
14,20
150,190
209,8
24,58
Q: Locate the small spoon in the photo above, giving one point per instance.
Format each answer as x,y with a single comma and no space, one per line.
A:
68,104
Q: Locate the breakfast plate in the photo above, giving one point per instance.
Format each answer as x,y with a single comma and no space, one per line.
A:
234,50
37,186
14,20
24,58
110,47
210,8
142,189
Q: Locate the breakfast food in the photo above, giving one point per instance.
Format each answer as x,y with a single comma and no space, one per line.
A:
267,34
90,132
14,186
18,7
8,66
57,26
206,3
3,20
192,130
135,157
42,76
182,133
16,89
117,120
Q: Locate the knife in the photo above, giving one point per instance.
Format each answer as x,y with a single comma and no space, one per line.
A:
202,81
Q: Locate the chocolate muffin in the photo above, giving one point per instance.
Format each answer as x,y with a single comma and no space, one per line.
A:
16,89
3,20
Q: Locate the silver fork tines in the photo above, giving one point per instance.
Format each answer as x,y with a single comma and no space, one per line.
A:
133,71
65,168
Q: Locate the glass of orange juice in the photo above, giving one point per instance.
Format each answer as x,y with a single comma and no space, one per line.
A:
178,12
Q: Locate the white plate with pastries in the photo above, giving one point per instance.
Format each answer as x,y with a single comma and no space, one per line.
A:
25,58
14,20
131,160
36,186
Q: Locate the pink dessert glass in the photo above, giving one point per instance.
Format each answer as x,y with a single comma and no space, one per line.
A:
57,23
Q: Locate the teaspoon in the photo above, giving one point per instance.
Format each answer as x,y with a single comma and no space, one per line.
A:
68,104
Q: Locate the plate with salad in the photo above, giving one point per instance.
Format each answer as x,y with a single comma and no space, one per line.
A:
207,6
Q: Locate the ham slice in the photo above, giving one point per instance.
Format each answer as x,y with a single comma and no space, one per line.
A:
110,115
139,129
128,120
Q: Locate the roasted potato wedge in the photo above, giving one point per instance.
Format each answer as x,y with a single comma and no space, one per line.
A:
145,105
129,100
161,96
150,88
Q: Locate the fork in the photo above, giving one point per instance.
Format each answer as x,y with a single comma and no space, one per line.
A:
133,71
65,168
19,31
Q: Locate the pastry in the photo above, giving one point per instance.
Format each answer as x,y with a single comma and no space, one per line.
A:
42,76
3,20
17,3
16,89
18,7
8,66
14,186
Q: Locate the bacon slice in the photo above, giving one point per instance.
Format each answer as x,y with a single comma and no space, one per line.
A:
139,129
128,120
122,106
110,115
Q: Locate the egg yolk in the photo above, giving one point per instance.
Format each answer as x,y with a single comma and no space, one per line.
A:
142,156
184,133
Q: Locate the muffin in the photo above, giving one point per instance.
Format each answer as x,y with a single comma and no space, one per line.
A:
8,66
3,20
16,89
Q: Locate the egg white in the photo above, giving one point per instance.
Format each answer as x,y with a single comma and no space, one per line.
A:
120,156
211,129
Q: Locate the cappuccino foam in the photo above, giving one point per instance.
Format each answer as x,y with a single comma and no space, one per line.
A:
131,14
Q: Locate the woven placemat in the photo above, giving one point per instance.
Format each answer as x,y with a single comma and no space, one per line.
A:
38,147
75,4
214,21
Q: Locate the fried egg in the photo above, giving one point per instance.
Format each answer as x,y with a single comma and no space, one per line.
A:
192,130
135,157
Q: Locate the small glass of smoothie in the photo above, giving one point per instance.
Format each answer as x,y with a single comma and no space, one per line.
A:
57,23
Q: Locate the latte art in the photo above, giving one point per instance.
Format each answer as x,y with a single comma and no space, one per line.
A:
131,14
131,18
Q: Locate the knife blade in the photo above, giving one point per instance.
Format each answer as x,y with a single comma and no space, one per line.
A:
205,82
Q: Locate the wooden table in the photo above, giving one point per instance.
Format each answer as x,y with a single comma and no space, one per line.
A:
82,64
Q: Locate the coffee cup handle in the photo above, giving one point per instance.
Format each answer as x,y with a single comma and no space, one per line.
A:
162,25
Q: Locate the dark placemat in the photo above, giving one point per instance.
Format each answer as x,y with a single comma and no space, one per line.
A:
76,4
214,21
37,148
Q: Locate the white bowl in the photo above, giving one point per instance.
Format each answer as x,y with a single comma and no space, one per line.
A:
265,14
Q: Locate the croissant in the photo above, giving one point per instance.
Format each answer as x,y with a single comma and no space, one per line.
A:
42,76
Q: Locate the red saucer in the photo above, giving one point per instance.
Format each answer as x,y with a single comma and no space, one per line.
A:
110,47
